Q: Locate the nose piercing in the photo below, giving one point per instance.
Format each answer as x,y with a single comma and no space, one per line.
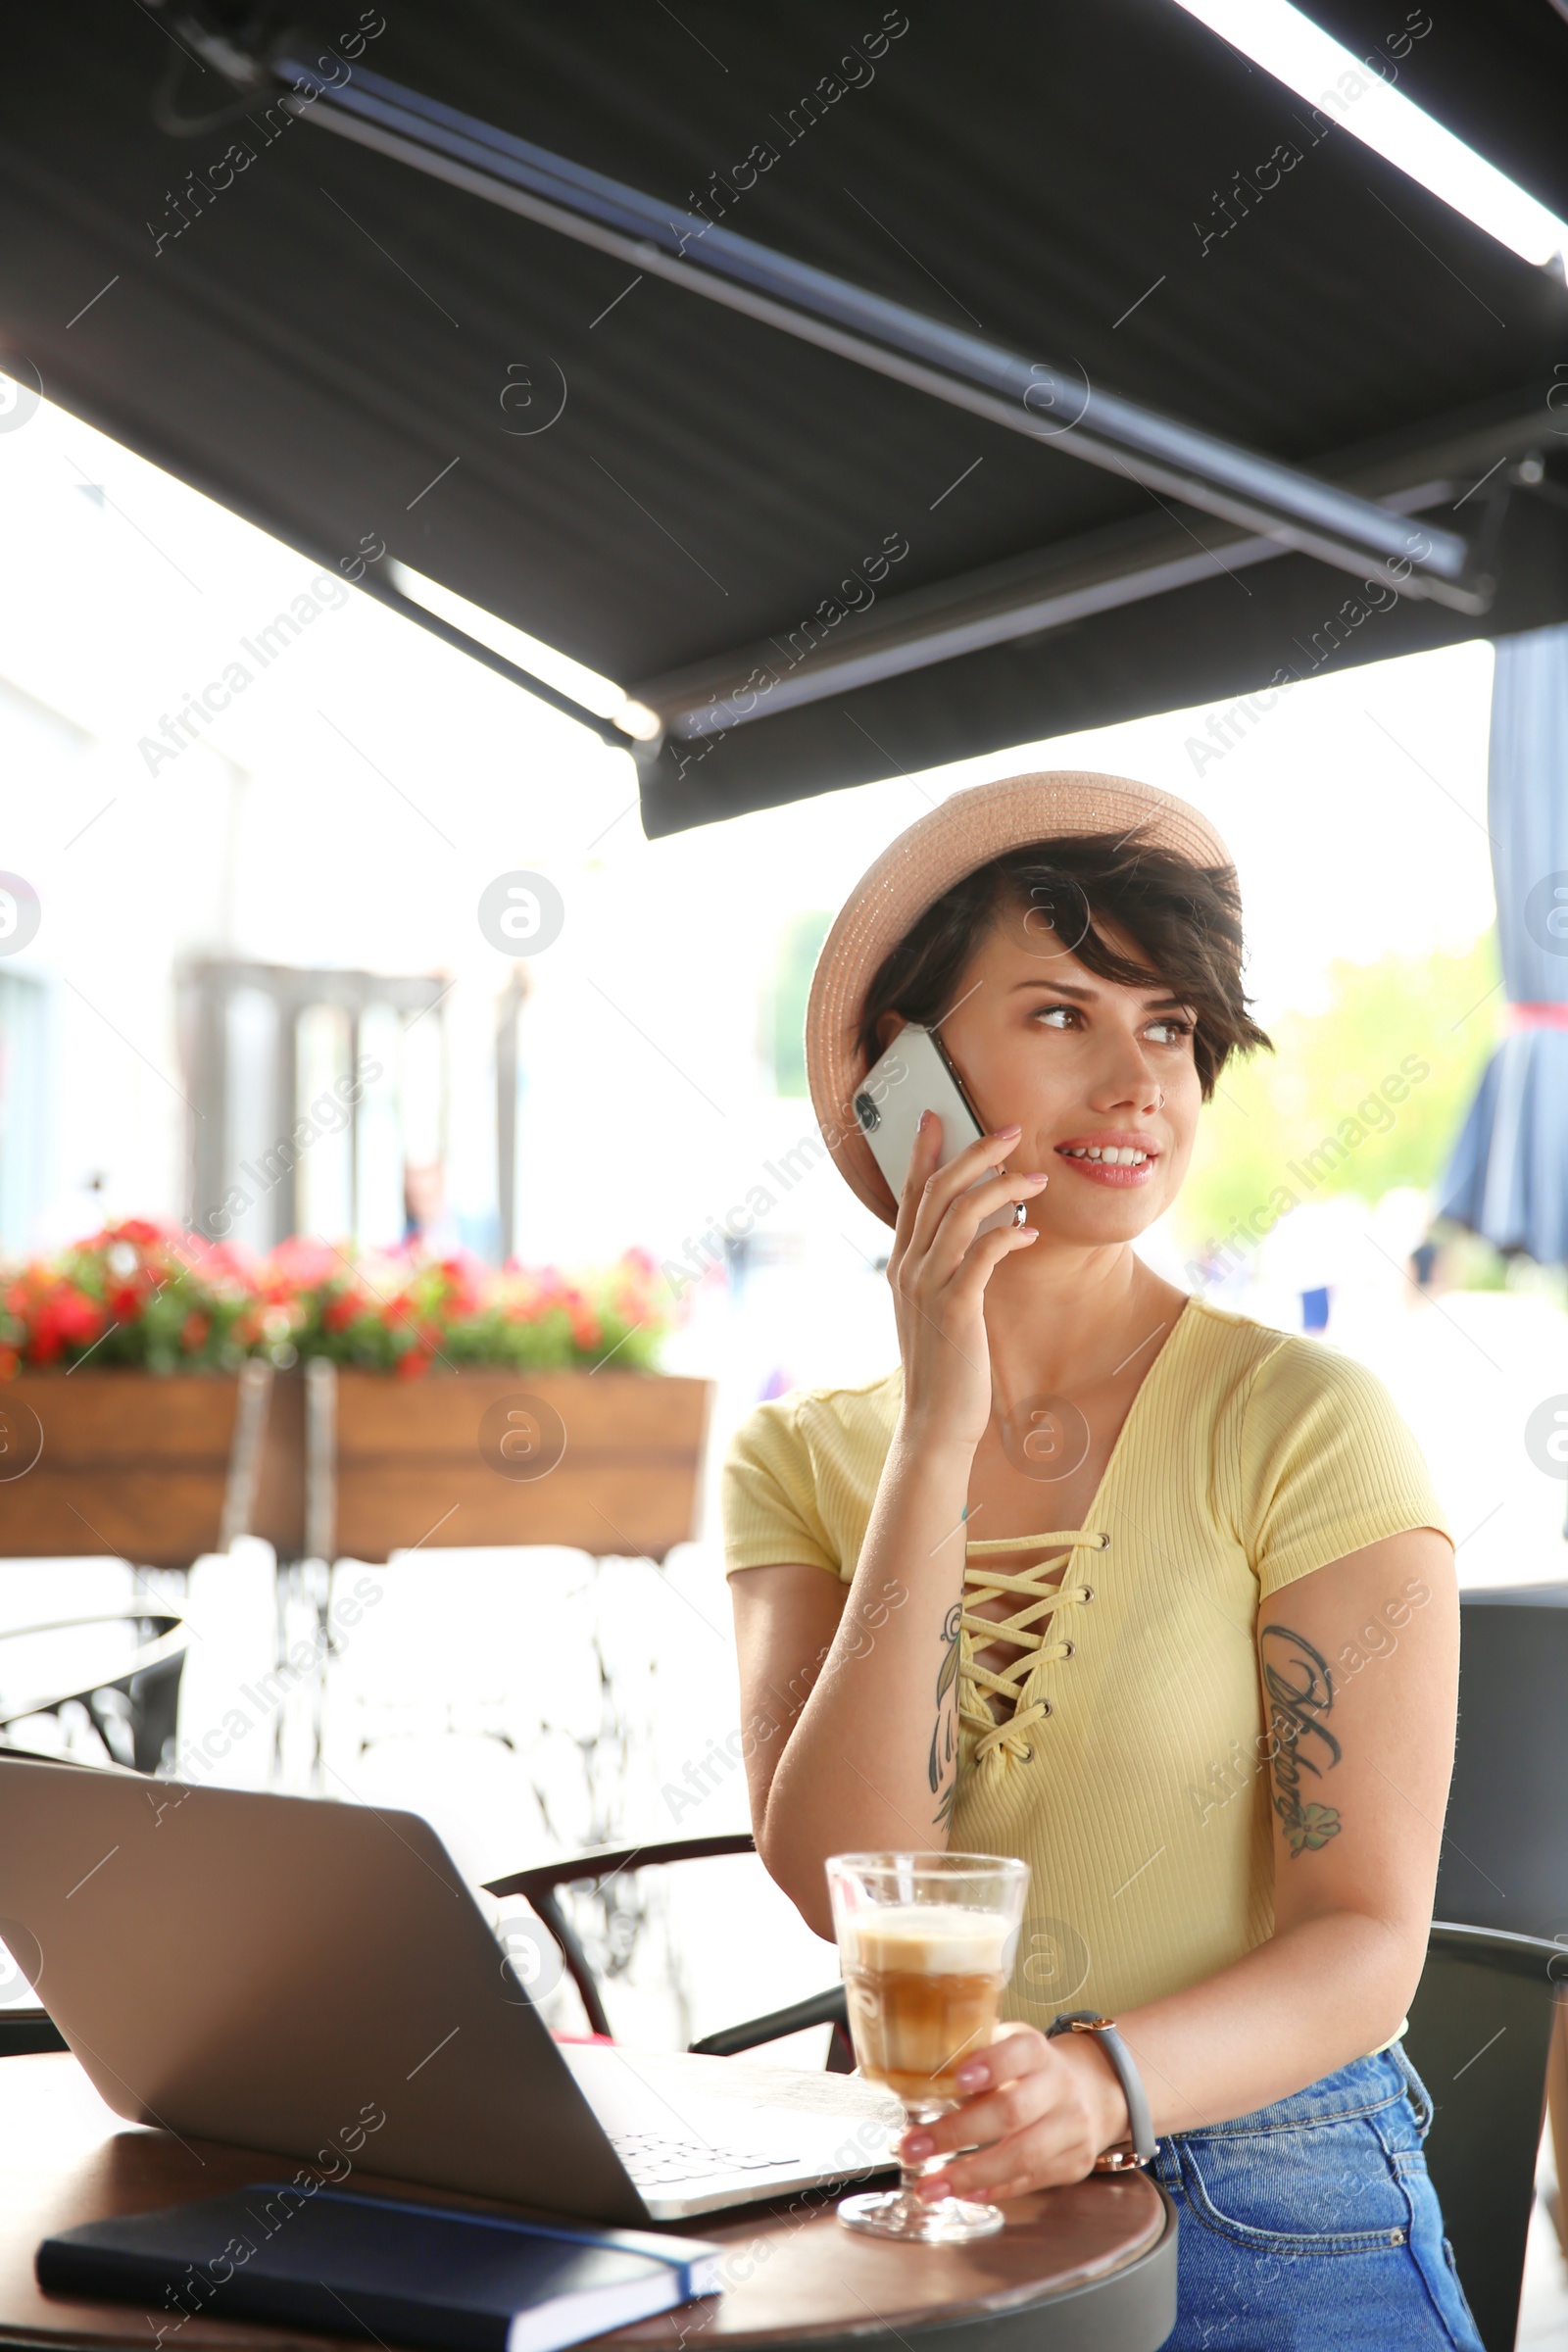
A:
1160,1105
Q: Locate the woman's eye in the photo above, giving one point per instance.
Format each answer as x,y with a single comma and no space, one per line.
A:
1169,1029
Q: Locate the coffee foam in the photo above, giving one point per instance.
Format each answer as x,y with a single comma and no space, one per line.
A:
934,1939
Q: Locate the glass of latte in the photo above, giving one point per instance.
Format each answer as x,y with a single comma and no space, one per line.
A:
926,1944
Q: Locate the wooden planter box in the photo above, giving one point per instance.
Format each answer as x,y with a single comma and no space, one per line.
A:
153,1470
160,1470
607,1463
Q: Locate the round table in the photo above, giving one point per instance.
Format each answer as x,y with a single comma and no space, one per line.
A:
1086,2269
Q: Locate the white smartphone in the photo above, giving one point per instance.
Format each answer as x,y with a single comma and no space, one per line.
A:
916,1074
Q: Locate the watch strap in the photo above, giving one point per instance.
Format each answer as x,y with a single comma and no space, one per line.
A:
1143,2146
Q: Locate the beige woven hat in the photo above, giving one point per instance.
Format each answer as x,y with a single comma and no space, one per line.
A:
913,873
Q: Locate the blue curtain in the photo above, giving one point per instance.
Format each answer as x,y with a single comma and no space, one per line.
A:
1508,1178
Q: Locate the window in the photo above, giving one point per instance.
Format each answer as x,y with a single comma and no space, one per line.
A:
318,1095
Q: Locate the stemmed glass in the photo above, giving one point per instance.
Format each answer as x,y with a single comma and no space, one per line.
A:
926,1944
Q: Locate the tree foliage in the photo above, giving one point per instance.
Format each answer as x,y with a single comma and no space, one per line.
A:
1322,1091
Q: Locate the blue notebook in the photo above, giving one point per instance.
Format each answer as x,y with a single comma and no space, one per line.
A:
428,2275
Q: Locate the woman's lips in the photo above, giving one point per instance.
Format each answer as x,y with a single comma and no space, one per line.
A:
1117,1180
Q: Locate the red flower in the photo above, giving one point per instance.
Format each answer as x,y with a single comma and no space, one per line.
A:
410,1306
466,1281
66,1317
230,1261
299,1265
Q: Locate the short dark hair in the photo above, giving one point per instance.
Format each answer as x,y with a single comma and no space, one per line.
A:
1185,918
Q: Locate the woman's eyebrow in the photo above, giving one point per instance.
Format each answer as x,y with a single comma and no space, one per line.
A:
1068,988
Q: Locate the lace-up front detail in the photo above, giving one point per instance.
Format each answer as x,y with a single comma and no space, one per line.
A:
1036,1601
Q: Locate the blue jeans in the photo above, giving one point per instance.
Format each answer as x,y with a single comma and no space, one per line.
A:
1314,2222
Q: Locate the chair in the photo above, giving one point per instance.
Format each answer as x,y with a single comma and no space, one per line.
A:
1503,1874
1505,1843
538,1887
23,2032
1480,2027
133,1710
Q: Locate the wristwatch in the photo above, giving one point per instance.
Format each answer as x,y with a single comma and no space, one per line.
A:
1128,2154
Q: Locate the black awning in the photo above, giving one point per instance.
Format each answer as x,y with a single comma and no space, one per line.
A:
353,353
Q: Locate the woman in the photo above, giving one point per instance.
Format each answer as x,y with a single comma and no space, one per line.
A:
1097,1559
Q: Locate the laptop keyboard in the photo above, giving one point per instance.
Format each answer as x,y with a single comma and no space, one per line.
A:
659,2159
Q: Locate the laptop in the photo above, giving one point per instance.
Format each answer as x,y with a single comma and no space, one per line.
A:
316,1980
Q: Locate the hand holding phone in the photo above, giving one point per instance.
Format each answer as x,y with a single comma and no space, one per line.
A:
956,1224
916,1074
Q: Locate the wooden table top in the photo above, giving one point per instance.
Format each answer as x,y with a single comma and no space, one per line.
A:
796,2275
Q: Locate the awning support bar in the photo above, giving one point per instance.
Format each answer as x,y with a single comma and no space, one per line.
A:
608,732
1035,397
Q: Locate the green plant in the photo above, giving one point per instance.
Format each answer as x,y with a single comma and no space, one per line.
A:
1313,1119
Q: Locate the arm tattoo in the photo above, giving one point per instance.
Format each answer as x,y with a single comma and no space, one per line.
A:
942,1738
1299,1688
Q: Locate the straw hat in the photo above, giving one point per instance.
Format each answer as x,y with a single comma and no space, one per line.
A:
913,873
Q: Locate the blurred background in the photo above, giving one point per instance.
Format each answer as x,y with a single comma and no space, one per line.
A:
345,817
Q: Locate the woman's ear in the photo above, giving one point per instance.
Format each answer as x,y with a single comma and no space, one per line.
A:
887,1029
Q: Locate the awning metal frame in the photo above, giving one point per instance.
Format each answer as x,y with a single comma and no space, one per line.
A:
1034,397
1357,523
1098,571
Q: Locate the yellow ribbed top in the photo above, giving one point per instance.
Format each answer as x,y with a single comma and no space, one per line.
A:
1128,1773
